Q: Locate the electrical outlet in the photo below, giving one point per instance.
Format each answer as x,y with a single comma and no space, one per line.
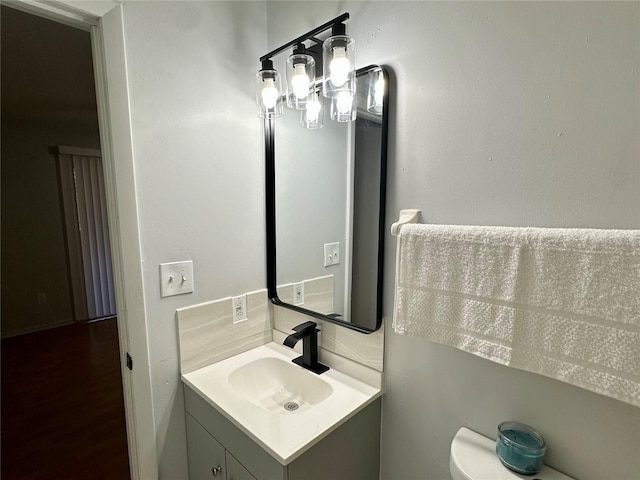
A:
298,293
331,254
239,305
176,278
41,298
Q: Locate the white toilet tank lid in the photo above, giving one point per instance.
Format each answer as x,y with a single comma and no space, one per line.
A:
473,457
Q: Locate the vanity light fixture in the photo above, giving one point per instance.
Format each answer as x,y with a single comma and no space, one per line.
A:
342,107
304,92
301,74
338,59
269,91
313,116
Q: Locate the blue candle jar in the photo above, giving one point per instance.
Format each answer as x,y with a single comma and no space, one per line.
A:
520,448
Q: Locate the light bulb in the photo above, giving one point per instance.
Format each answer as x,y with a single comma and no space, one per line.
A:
269,93
339,67
300,81
344,102
313,109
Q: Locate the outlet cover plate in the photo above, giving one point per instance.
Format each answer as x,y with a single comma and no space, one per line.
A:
298,293
176,278
239,305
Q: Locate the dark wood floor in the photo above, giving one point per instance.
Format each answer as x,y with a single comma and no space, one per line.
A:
62,405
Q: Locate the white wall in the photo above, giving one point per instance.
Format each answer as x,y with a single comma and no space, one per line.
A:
510,113
199,172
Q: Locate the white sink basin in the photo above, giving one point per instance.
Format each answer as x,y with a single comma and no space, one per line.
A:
254,388
278,386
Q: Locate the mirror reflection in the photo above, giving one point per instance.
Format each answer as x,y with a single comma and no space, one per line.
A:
329,194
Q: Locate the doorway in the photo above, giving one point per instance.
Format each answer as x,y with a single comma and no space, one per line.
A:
62,398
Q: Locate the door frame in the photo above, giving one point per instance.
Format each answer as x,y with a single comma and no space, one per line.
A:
105,22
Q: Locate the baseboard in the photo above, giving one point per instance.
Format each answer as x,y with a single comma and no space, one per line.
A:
36,328
100,319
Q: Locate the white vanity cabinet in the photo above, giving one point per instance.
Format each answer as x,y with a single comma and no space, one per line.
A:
350,452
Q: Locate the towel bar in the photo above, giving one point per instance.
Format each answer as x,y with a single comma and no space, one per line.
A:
406,216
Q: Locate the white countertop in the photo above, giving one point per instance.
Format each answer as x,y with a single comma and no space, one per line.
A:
284,435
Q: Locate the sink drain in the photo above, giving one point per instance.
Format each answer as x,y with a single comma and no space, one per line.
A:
291,406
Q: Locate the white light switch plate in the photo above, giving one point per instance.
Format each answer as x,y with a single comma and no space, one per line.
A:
331,254
176,278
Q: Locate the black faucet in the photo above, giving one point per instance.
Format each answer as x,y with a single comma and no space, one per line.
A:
308,332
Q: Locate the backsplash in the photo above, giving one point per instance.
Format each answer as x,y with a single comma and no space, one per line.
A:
367,349
318,294
207,334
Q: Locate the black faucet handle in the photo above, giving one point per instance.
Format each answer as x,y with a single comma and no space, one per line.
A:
306,328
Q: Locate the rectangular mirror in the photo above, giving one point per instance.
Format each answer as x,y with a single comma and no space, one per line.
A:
325,193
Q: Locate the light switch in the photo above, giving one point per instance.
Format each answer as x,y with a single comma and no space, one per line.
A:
176,278
331,254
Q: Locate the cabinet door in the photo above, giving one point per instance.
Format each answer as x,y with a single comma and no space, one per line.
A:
235,470
206,454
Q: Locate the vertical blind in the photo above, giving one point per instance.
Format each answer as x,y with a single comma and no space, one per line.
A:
92,228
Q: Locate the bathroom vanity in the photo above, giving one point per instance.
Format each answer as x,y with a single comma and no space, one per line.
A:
254,414
258,416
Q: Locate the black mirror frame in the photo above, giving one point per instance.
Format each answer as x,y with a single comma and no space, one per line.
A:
270,202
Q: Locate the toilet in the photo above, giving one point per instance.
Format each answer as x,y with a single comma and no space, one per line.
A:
473,457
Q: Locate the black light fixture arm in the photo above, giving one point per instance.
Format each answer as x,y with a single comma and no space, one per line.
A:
307,36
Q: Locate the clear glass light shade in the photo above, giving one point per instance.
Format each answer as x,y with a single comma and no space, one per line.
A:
375,95
338,62
343,108
312,117
269,94
301,75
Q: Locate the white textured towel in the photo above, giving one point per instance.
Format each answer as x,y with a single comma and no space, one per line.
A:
564,303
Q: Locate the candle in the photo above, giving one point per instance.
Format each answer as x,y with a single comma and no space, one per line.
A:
520,448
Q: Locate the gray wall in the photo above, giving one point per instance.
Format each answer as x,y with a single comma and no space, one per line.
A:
505,114
510,113
199,171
